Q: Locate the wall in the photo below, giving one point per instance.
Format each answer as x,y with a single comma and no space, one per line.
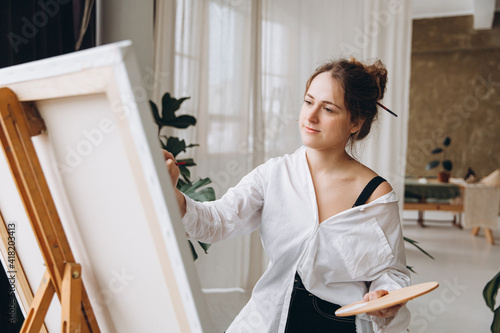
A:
129,19
455,92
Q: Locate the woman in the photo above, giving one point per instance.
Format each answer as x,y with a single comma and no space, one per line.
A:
324,251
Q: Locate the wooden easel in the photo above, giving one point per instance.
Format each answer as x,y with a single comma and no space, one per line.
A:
18,123
22,286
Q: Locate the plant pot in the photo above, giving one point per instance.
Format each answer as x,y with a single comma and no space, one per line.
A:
444,177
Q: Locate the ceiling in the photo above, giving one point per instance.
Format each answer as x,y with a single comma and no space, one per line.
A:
483,10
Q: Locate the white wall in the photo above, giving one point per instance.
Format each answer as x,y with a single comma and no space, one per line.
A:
128,19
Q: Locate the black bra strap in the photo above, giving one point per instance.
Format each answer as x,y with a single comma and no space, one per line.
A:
368,190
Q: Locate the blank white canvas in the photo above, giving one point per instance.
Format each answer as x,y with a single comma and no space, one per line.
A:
107,176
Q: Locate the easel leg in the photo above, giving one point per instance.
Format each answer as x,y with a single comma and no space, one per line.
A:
475,231
71,299
43,297
489,236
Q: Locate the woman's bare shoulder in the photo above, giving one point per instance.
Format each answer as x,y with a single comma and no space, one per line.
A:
381,190
365,175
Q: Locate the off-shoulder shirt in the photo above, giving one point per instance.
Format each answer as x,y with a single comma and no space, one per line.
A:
339,260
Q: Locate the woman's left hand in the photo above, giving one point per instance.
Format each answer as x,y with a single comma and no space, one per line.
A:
382,313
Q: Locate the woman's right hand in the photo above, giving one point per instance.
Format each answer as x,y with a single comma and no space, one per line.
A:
174,173
173,169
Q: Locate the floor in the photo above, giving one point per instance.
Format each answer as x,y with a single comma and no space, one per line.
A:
463,265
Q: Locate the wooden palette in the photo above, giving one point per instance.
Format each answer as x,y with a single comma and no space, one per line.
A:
392,298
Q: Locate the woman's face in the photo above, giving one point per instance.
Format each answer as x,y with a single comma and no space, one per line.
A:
324,122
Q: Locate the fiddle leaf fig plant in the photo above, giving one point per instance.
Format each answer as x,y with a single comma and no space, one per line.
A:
167,117
197,189
490,292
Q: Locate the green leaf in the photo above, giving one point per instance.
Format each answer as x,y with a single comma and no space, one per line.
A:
447,165
490,291
437,150
186,180
185,171
163,141
195,191
446,141
410,268
205,246
206,194
198,184
432,165
495,325
156,114
193,251
168,110
181,121
180,183
175,146
170,105
414,243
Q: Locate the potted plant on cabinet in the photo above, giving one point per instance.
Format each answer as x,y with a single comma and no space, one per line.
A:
444,174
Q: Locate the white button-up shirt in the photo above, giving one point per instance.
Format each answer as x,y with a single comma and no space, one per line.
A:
358,250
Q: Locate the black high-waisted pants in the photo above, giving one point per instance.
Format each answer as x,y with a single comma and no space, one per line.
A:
308,313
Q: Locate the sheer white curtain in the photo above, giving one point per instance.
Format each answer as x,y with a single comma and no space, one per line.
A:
244,64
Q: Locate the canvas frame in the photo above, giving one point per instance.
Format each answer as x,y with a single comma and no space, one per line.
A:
168,281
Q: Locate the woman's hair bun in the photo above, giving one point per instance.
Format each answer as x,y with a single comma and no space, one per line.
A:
378,71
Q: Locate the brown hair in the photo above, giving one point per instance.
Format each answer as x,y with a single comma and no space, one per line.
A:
363,85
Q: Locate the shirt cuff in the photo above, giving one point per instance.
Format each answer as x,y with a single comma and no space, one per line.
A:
395,324
191,214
